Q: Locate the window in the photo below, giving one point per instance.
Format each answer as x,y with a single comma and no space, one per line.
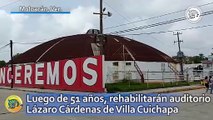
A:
115,63
128,63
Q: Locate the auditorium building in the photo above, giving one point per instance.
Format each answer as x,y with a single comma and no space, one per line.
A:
125,58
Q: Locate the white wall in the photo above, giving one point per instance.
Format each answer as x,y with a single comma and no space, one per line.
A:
151,71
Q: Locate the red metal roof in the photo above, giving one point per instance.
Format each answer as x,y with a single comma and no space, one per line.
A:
80,46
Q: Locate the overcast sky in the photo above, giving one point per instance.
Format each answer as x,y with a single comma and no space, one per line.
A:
32,28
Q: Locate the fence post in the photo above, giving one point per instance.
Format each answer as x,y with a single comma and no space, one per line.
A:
147,76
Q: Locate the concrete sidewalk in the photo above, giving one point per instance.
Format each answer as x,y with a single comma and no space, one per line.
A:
171,89
159,90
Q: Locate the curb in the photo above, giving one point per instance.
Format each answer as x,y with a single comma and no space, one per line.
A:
24,90
55,91
180,90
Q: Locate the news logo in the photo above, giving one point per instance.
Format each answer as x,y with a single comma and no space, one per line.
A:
13,103
193,14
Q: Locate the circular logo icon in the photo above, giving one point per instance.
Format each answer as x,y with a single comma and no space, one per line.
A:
13,103
193,14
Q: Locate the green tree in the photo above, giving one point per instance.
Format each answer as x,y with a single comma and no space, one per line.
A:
2,63
197,59
192,59
201,56
16,55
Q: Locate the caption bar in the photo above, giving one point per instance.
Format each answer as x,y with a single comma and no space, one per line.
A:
108,104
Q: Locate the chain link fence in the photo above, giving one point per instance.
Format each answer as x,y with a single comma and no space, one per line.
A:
159,76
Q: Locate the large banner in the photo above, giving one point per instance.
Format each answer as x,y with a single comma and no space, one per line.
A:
81,74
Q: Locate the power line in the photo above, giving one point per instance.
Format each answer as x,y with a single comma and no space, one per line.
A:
149,26
4,52
117,12
4,46
9,4
28,42
157,40
154,17
171,31
143,20
158,23
36,42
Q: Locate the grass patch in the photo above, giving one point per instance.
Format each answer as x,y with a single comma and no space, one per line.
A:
195,83
127,86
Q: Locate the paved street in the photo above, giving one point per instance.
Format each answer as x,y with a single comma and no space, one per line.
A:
188,111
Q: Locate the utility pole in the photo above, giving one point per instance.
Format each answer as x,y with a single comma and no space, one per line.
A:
11,63
100,38
212,52
180,54
101,14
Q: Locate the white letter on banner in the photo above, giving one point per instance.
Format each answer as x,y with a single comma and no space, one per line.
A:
89,71
53,75
38,74
8,75
28,74
71,80
2,75
17,74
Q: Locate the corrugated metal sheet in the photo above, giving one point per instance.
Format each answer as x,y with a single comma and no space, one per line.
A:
80,46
